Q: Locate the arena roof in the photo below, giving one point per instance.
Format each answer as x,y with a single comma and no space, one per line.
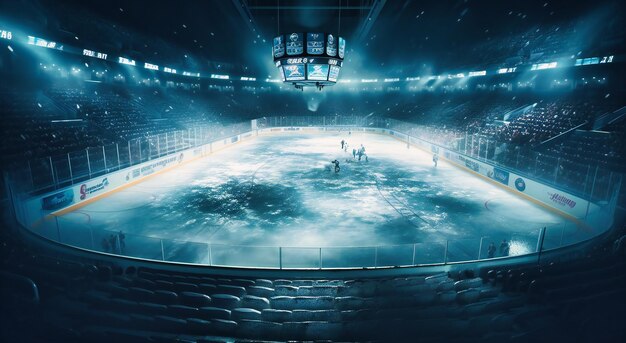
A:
390,35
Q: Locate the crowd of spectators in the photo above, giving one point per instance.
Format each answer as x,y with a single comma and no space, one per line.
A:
529,132
532,45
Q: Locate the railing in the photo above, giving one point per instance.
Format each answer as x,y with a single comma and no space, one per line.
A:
96,163
588,181
54,172
119,242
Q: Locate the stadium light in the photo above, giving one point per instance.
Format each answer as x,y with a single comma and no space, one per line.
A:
95,54
150,66
220,77
506,70
124,60
186,73
543,66
477,73
4,34
40,42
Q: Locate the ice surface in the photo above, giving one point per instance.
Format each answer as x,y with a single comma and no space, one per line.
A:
279,191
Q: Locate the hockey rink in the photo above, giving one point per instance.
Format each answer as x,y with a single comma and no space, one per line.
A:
282,191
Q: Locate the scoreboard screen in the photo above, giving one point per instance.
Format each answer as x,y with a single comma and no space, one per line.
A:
315,43
331,46
295,44
317,72
282,73
342,47
294,72
334,73
279,47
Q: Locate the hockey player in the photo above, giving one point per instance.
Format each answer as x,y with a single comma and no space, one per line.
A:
337,168
353,153
435,159
342,143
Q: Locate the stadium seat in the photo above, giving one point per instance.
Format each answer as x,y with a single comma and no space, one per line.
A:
226,301
245,313
195,299
255,302
274,315
211,313
261,291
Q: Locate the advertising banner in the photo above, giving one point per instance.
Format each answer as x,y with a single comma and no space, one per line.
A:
500,175
58,200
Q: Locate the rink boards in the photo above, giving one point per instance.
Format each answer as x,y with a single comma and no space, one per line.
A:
560,201
35,209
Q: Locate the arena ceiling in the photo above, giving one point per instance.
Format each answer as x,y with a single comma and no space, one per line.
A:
383,33
352,19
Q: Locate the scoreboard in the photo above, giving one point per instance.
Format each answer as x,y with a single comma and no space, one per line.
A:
309,58
315,43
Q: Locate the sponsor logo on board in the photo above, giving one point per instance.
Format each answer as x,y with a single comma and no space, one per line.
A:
469,163
562,200
520,184
499,175
152,167
58,200
86,190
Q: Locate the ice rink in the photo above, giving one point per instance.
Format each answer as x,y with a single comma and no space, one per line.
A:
281,191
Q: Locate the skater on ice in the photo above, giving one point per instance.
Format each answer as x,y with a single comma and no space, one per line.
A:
491,251
337,168
353,153
504,248
342,143
122,239
435,159
361,152
113,244
106,246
